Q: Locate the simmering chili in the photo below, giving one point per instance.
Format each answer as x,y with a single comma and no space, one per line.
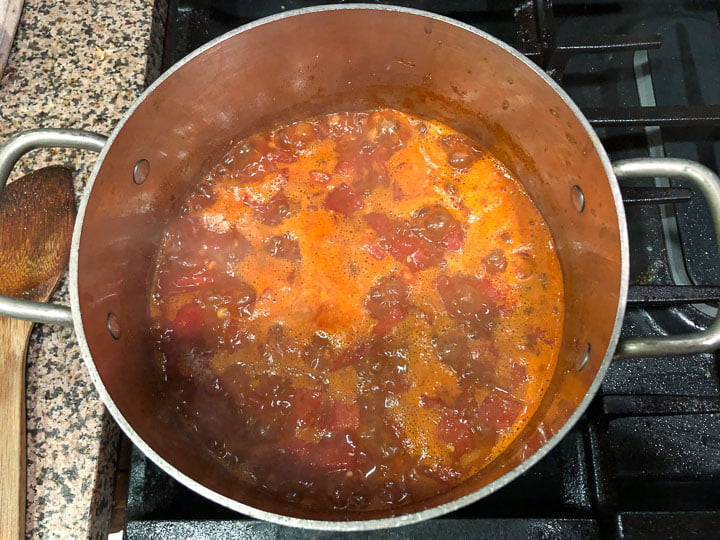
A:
357,310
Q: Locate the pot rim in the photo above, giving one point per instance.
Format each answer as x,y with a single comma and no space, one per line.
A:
370,524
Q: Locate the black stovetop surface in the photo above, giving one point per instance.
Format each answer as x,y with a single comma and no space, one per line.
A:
644,462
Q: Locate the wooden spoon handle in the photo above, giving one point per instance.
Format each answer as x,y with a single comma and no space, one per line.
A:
14,337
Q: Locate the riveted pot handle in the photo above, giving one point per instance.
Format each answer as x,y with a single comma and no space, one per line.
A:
10,152
708,183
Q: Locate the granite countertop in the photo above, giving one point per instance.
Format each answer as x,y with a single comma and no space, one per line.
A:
74,64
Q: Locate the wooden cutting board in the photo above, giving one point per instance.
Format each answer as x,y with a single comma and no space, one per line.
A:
9,17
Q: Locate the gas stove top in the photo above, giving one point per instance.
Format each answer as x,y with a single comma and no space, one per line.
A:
644,462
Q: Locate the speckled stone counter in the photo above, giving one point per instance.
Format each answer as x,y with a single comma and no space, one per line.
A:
74,64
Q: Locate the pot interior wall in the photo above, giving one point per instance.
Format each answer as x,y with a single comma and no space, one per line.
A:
318,63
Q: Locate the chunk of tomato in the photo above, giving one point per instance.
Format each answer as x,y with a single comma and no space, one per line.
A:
454,430
189,321
296,447
389,320
471,301
404,243
350,356
275,211
416,253
499,410
516,377
495,262
341,416
343,200
454,240
388,296
304,406
334,453
376,250
380,223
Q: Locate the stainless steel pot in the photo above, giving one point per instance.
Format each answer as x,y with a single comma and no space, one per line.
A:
316,61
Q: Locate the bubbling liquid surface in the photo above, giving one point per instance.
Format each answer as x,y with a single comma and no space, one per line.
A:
357,310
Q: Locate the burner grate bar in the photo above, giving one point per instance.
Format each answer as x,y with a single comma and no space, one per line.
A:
655,195
675,115
560,54
612,43
671,295
537,39
556,58
659,405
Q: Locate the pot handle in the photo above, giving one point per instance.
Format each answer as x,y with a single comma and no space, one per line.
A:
10,152
708,183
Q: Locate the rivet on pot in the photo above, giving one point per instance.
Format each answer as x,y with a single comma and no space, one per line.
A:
113,325
578,198
141,171
584,360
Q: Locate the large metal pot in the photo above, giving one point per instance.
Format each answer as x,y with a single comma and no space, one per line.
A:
316,61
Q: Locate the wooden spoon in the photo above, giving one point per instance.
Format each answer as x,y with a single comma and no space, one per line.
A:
37,213
9,18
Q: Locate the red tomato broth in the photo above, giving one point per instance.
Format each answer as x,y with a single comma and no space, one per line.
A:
357,310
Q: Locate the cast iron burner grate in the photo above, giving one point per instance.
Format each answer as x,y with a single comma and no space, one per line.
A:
644,462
